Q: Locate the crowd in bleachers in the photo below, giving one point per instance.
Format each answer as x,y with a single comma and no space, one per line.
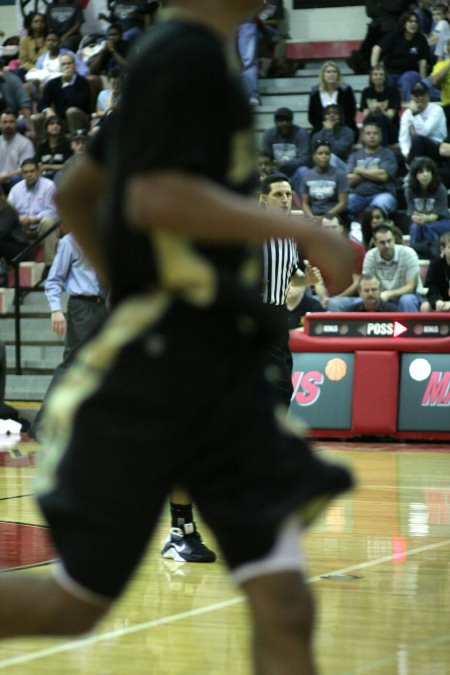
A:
382,160
359,160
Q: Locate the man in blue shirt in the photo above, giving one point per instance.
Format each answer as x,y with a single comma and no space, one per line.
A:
33,199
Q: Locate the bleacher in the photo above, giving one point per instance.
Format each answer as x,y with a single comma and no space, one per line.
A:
42,349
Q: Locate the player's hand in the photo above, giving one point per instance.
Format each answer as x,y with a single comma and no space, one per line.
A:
59,324
442,306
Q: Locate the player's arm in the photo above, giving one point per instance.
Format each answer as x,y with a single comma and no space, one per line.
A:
77,199
189,205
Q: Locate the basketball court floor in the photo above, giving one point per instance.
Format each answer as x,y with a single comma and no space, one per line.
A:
379,564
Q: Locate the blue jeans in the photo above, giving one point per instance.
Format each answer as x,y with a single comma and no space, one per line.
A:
343,304
358,203
405,82
247,41
428,232
409,302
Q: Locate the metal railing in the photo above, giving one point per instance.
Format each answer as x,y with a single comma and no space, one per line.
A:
20,293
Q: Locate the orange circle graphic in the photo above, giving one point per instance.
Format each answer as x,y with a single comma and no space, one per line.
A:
336,369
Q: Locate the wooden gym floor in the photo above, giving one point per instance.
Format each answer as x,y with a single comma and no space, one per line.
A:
379,564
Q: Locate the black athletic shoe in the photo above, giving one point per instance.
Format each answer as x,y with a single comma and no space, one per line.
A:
187,547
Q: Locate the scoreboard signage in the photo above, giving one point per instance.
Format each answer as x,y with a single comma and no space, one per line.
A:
323,384
424,392
377,328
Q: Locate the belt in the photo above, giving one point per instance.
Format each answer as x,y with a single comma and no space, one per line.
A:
98,299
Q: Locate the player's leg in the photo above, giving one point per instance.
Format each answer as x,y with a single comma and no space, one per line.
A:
281,606
184,543
38,605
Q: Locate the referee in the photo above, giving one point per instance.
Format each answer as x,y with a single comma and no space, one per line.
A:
281,268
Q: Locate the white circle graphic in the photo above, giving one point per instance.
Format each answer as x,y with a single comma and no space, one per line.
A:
419,369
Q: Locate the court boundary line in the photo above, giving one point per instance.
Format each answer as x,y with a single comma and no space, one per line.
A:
120,632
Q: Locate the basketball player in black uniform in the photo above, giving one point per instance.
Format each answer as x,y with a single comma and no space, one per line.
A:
174,381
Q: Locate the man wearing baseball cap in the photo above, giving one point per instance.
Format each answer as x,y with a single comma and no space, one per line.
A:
289,146
422,126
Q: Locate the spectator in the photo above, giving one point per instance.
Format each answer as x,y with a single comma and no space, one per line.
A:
68,97
288,146
12,238
130,15
32,45
345,300
55,150
339,136
86,307
397,267
48,64
247,47
380,103
438,279
422,10
441,51
427,205
14,148
405,54
108,98
440,78
65,17
77,145
439,28
385,15
13,96
372,217
112,54
331,90
299,302
33,199
369,289
371,174
264,164
268,19
324,189
423,126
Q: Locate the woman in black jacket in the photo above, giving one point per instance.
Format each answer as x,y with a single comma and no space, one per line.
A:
331,91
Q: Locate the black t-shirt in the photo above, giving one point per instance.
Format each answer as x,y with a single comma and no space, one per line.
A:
182,108
390,94
63,15
123,13
57,155
400,54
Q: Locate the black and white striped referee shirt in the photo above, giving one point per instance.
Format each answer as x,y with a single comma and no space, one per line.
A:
280,262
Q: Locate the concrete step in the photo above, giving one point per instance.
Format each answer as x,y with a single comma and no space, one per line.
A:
296,102
33,331
35,357
26,387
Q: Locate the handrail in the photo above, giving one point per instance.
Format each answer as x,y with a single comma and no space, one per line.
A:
15,262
